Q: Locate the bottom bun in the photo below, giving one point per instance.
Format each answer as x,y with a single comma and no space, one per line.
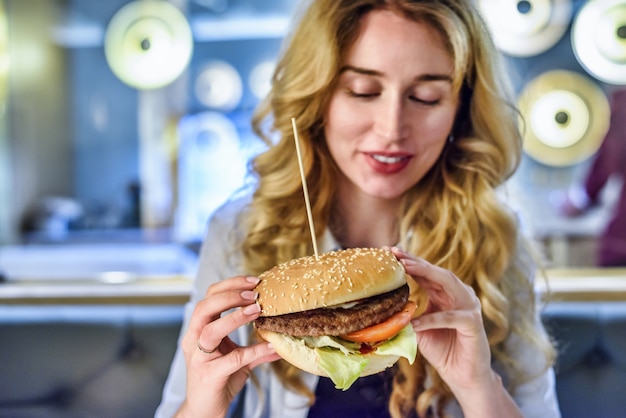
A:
305,358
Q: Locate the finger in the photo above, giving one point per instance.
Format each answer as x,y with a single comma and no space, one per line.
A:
226,345
215,331
222,296
265,359
241,282
239,374
438,297
443,286
465,321
420,269
245,357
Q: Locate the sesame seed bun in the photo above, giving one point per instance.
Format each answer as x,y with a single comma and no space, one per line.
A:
310,305
334,278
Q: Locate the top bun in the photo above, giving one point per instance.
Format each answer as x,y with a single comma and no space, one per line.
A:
335,278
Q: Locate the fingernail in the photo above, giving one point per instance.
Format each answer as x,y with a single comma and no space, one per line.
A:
249,294
252,309
409,262
270,347
253,280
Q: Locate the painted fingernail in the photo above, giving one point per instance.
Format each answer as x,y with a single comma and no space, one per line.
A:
253,280
252,309
249,294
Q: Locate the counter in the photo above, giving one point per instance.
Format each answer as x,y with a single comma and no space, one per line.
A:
563,285
171,290
163,274
86,273
583,284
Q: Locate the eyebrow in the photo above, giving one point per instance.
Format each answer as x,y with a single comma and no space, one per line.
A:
366,71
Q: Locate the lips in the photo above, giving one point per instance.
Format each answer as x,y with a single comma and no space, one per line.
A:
388,163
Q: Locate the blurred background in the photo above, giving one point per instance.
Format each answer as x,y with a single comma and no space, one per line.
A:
129,120
119,115
125,124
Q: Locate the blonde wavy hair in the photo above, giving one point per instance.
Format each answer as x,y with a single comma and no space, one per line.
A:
452,217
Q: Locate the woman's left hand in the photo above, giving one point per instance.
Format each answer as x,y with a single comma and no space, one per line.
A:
450,334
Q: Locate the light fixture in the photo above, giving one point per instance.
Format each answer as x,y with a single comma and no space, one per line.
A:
148,44
526,28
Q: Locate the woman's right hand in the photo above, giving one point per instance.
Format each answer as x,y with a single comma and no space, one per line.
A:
217,368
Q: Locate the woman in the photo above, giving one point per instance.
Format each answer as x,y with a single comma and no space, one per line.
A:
406,133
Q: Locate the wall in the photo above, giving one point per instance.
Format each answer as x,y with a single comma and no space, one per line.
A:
6,233
77,131
566,241
38,134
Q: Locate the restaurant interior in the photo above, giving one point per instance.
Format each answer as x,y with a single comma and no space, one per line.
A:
125,123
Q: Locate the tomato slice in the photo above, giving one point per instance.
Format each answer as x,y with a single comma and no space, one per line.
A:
385,329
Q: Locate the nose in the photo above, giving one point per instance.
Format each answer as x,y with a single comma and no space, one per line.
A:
391,122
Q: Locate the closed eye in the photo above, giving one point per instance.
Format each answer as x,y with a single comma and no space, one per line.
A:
425,102
361,95
352,93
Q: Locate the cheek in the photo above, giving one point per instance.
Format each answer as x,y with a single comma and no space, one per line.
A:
432,144
432,155
343,120
438,126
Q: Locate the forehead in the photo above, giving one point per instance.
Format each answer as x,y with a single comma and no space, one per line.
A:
386,39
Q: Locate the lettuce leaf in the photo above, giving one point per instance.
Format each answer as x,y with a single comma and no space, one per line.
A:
342,369
404,344
346,347
343,361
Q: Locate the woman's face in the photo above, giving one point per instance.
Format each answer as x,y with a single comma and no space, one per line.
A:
393,108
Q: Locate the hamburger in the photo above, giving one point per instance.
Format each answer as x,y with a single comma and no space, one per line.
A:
342,315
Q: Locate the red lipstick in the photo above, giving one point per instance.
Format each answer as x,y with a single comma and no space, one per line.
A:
388,162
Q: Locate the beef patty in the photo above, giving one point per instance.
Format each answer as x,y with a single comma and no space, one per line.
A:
338,321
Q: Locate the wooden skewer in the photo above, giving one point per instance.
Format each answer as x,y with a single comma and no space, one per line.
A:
304,187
